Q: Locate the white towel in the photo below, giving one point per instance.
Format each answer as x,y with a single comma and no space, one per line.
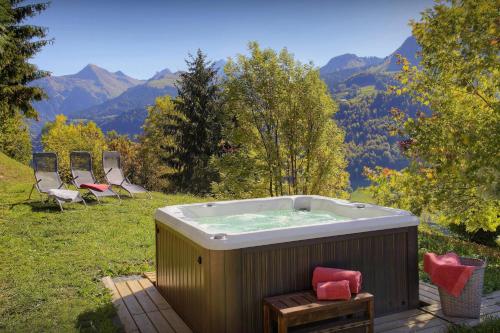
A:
65,195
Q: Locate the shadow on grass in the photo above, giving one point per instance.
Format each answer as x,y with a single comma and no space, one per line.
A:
102,319
52,206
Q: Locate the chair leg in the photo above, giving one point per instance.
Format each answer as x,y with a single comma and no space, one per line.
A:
149,194
60,205
31,192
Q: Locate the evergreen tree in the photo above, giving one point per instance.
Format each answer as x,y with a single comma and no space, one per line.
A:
19,42
198,129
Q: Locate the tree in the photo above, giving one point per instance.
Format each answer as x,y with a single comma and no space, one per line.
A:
62,138
280,135
18,44
15,139
198,129
156,144
455,147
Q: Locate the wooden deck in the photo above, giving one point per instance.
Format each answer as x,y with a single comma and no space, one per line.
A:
141,308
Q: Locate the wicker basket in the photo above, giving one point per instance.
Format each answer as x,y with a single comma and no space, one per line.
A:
468,304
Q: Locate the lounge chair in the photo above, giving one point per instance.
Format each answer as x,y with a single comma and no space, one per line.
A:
113,172
48,182
83,176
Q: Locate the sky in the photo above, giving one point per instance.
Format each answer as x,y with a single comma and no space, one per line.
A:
141,37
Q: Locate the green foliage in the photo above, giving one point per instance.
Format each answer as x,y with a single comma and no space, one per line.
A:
197,129
15,140
400,189
20,42
155,145
457,144
279,134
62,138
367,123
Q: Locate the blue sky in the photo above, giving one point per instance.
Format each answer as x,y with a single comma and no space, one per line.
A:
143,37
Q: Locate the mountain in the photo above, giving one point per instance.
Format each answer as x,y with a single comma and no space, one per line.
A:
69,93
126,113
364,109
348,61
409,49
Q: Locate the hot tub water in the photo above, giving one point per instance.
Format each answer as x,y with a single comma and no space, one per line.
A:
266,220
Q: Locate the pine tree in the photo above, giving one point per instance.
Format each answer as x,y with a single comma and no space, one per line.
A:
19,42
198,129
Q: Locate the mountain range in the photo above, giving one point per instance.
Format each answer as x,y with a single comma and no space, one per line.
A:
118,102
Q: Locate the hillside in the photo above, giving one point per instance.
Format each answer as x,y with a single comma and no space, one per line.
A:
12,171
52,261
364,106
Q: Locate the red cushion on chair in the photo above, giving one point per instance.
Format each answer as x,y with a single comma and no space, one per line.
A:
96,187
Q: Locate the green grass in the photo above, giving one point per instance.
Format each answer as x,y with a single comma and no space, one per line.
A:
362,195
52,262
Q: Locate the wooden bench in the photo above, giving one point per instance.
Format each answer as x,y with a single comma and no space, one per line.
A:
304,308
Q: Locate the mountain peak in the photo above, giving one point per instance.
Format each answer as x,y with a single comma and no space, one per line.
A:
161,74
90,72
408,49
348,61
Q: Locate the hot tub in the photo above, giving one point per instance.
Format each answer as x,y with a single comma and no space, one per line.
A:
217,261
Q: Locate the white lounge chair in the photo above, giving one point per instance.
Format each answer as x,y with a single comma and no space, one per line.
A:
111,161
81,170
48,182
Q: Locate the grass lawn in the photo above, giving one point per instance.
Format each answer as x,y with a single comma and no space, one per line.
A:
52,262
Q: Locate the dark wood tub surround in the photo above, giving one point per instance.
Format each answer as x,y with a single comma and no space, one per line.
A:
223,291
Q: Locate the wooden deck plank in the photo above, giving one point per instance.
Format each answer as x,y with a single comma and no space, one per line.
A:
175,321
397,316
141,295
155,295
131,302
124,316
151,276
420,320
160,322
432,325
145,325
